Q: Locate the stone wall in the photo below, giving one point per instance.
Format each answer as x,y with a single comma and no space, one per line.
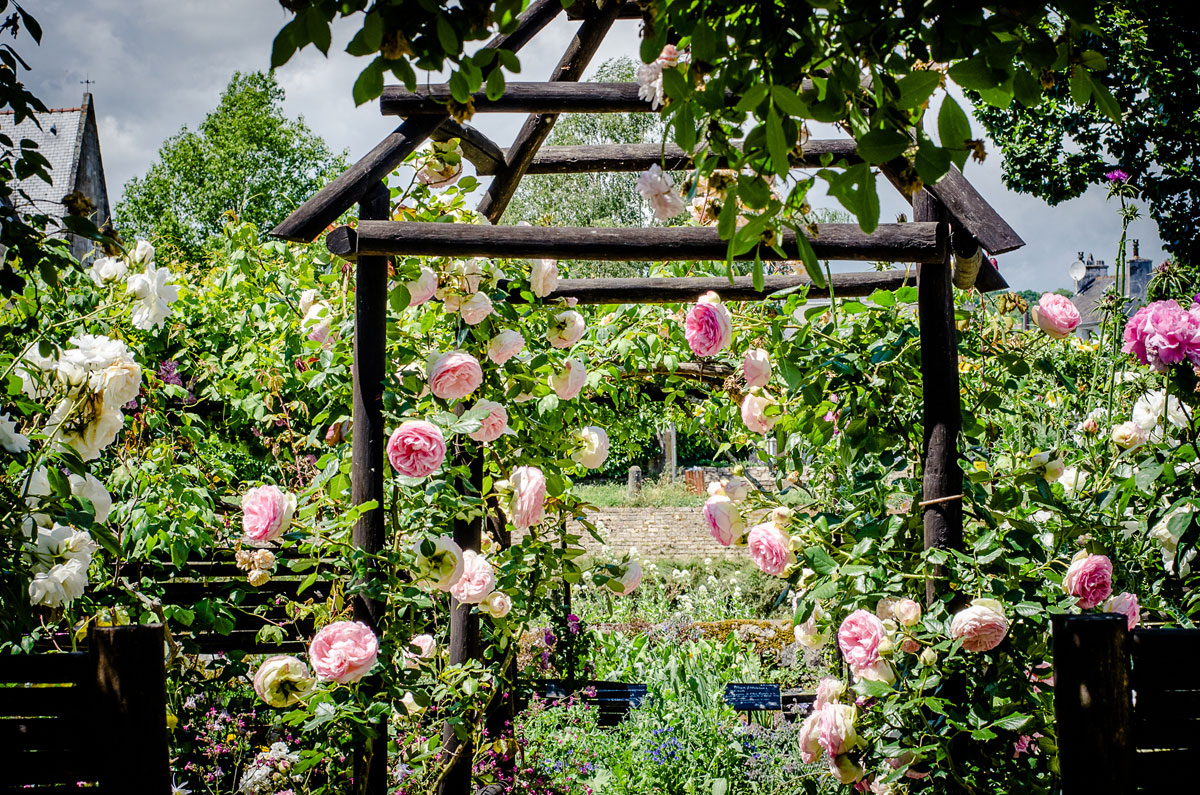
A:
656,532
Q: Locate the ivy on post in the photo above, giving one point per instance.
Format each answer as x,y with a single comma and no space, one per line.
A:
370,339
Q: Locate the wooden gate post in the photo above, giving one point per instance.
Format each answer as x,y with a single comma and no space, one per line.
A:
370,339
130,692
943,478
1093,710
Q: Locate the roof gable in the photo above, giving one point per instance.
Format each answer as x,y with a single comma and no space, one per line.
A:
60,140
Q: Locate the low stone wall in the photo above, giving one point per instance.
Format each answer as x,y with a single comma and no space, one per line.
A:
675,533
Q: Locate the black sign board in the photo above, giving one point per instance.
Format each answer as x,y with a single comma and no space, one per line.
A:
748,696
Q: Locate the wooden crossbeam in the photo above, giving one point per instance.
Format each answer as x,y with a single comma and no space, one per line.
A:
537,127
671,290
639,157
328,204
482,152
555,97
911,242
629,10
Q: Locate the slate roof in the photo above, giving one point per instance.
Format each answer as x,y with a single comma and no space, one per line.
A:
1088,300
60,140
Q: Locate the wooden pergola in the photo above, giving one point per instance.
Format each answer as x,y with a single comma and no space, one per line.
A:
952,226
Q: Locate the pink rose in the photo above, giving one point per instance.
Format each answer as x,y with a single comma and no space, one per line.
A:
981,626
835,728
757,367
454,375
829,690
910,645
543,277
566,329
628,580
1127,605
475,310
505,345
343,651
492,426
770,548
497,604
1089,577
568,382
477,581
725,523
859,638
266,512
423,288
1163,333
669,56
754,407
528,505
1056,315
708,326
416,449
907,612
425,645
810,746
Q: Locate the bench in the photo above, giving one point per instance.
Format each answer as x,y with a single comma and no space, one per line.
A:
96,717
1127,706
614,700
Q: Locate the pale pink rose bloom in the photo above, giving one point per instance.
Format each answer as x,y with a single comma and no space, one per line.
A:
835,728
416,449
829,690
454,375
266,512
881,788
1089,577
656,187
629,579
810,746
669,57
878,671
492,426
423,288
566,329
528,505
981,627
343,651
425,645
1056,315
477,581
282,680
807,634
907,612
476,309
910,645
568,382
1129,434
505,345
1127,605
725,523
543,276
885,608
754,406
859,638
593,447
770,548
497,604
708,326
442,567
757,367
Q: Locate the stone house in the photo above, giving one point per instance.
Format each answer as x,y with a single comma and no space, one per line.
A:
1096,283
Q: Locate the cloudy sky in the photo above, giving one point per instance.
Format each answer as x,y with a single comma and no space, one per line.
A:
159,65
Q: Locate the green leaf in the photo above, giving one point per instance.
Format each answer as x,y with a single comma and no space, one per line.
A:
882,298
460,89
495,85
820,561
954,129
1013,722
369,84
809,257
777,144
720,786
789,102
932,162
1081,86
880,146
283,48
1106,103
751,99
106,539
446,35
318,30
975,74
854,187
917,88
704,43
1093,60
757,276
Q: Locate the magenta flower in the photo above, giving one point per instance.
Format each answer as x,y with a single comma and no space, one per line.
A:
1117,175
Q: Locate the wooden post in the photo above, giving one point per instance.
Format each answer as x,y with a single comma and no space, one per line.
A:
370,361
942,405
464,627
1093,710
130,692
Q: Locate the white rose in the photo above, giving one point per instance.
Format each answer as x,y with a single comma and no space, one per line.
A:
90,488
118,383
543,277
307,299
497,604
45,590
72,576
1128,434
11,439
153,294
142,254
108,269
1152,406
594,447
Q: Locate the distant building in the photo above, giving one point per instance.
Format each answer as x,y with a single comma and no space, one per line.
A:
68,138
1096,283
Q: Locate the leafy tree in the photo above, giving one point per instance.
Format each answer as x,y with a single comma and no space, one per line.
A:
245,158
597,199
1057,149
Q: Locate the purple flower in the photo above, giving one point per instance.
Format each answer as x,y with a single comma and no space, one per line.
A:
573,623
168,373
1117,175
549,637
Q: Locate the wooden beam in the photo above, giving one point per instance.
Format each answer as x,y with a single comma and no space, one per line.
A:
629,10
482,152
555,97
537,128
943,478
639,157
970,209
911,242
327,205
672,290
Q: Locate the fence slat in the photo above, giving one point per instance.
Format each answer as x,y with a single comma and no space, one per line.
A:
33,702
43,668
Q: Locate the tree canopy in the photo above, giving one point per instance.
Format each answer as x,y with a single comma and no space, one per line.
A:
246,158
